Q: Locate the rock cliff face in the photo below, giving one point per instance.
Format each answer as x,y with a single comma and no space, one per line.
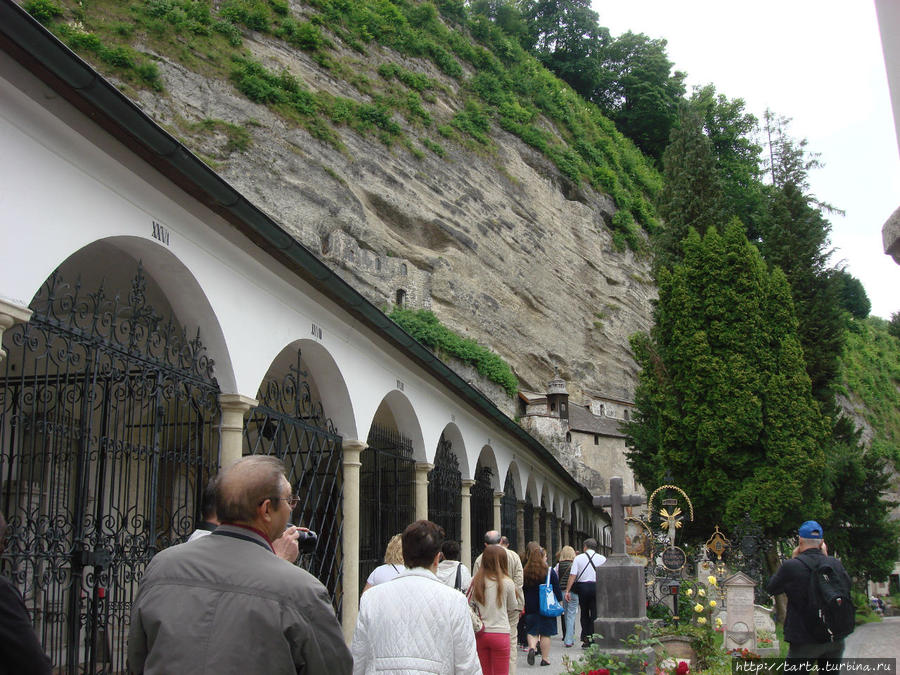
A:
499,244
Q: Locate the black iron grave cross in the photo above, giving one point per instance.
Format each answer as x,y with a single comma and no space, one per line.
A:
617,503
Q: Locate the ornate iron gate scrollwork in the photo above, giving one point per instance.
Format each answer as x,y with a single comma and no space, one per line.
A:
290,425
386,495
107,438
481,508
747,553
444,490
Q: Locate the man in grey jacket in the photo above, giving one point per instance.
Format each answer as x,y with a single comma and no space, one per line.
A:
226,603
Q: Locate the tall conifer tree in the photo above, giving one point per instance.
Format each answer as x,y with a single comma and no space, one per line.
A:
724,401
795,238
692,194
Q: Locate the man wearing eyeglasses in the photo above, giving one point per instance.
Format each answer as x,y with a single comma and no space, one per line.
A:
226,603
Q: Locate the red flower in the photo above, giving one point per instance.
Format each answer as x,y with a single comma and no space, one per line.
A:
682,668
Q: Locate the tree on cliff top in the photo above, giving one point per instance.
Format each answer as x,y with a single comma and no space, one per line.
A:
692,193
724,402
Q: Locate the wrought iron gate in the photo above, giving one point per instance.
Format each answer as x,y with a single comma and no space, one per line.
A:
386,495
107,438
508,524
290,425
444,490
528,515
481,508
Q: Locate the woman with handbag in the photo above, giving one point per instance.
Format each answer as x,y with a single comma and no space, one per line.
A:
493,594
566,556
540,627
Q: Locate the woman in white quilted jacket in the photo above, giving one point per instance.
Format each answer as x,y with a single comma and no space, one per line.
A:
494,594
414,624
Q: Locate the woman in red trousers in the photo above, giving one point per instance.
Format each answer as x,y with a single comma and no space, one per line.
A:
494,595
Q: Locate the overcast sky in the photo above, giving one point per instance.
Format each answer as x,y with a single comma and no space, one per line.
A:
818,62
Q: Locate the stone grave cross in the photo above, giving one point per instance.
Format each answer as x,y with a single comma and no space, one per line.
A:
621,596
617,503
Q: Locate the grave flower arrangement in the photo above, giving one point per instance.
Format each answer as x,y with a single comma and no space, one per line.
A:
697,605
594,662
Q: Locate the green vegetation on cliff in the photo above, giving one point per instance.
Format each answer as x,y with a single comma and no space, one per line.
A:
493,82
870,367
425,327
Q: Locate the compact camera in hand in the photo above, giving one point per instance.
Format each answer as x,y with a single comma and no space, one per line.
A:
307,541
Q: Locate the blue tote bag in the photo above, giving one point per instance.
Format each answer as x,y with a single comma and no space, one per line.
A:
549,604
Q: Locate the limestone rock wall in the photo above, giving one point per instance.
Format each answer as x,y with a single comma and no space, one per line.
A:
499,244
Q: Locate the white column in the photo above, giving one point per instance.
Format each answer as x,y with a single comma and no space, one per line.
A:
498,518
350,541
466,524
10,315
234,407
422,469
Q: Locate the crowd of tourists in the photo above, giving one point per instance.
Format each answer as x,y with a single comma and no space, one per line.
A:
477,621
230,600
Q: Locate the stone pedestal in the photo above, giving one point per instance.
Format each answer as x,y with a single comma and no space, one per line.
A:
231,430
621,600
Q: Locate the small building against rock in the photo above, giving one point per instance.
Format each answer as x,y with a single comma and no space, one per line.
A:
587,436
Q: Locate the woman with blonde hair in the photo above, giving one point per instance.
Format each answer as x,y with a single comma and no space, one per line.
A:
493,594
538,626
565,557
393,564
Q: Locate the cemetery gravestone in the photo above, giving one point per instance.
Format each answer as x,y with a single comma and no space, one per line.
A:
740,629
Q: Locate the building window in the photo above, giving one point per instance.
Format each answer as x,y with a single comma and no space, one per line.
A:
602,410
596,439
626,415
401,298
553,406
403,269
568,437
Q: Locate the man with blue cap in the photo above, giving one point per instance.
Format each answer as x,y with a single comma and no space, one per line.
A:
802,628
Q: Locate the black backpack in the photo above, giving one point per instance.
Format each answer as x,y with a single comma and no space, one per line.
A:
832,615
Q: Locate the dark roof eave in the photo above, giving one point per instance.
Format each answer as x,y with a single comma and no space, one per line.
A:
62,70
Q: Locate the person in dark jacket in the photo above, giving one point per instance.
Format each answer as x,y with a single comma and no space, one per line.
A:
792,579
20,651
